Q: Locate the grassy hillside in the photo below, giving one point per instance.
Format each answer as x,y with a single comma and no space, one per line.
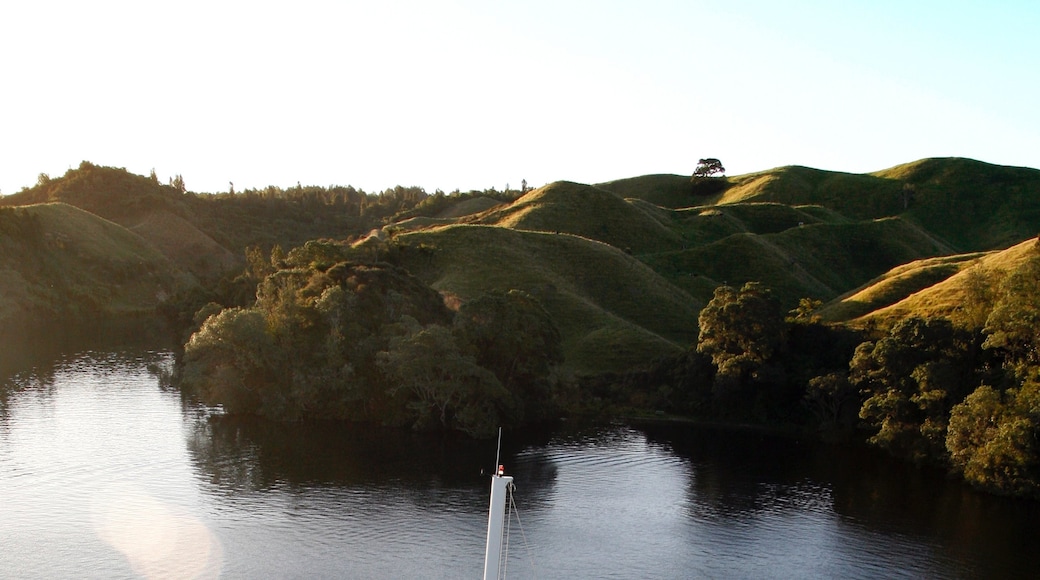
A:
469,207
204,234
589,212
856,196
671,191
160,214
895,285
946,297
612,310
974,205
60,262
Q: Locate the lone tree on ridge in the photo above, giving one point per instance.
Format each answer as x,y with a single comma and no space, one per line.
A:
709,167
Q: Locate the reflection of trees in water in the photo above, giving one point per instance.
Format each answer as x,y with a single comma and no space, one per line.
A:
240,454
33,360
48,345
738,474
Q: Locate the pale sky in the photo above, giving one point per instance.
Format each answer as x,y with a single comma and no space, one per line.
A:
476,94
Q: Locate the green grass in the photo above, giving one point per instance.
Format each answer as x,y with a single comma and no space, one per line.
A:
820,260
469,207
856,196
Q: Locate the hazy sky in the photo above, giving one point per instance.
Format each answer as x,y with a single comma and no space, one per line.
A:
477,94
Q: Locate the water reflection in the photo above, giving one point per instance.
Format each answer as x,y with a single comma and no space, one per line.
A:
42,345
246,453
92,472
104,470
885,505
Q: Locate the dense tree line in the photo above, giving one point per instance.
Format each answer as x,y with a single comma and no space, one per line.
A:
371,343
964,397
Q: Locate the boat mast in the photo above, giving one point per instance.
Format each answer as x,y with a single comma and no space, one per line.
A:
496,518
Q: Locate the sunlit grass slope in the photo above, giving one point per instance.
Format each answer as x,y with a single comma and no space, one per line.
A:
948,297
613,311
58,261
895,285
590,212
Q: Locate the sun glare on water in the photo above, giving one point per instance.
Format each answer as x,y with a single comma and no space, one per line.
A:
158,539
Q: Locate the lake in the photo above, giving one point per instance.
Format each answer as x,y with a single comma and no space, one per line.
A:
106,473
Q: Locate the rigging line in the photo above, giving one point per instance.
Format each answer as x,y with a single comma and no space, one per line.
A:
504,562
513,509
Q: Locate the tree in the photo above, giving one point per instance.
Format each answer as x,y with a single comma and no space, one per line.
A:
227,361
826,394
513,336
1013,325
740,331
709,167
911,379
994,439
177,183
443,388
979,295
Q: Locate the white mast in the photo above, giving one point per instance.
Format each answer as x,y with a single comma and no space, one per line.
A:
496,517
496,520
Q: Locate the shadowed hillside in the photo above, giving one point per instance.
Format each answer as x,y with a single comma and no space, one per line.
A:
160,214
671,191
819,260
60,262
974,205
205,234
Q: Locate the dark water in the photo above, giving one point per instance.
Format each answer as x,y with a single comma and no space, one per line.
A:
106,474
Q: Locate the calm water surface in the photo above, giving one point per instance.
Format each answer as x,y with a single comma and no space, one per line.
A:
104,473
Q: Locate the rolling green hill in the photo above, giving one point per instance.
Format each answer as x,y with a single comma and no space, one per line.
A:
204,234
586,211
613,311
